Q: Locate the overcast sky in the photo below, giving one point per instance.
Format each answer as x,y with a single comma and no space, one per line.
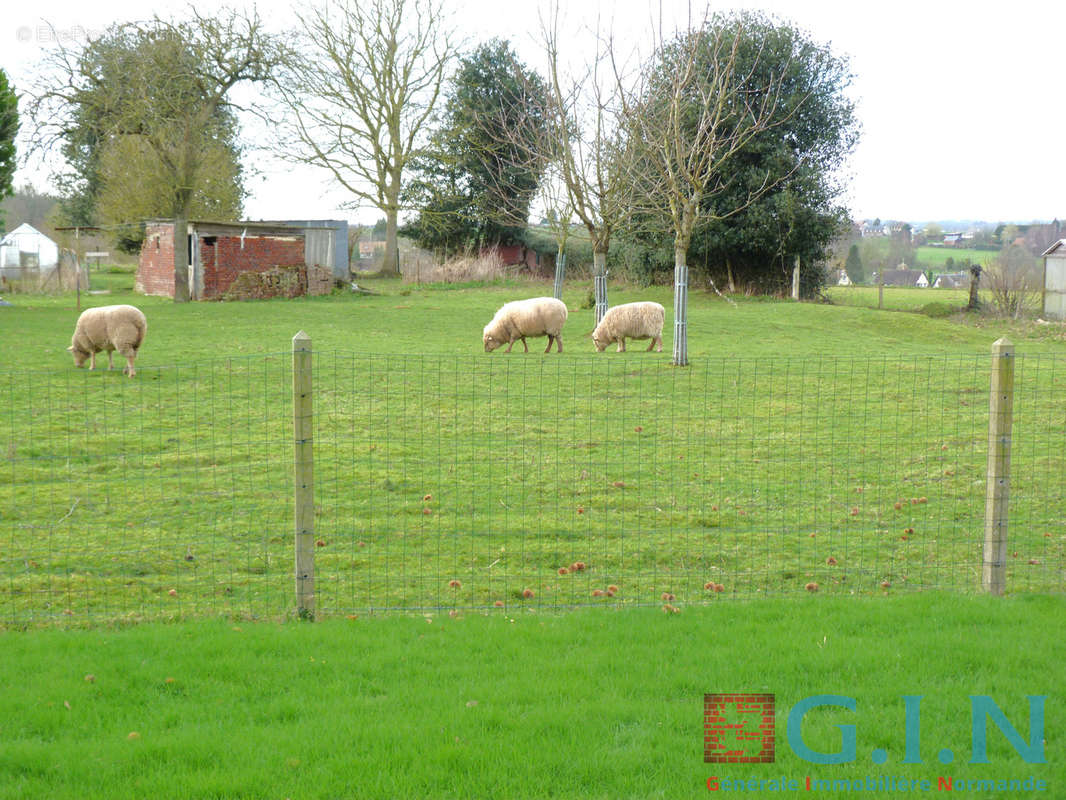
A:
961,108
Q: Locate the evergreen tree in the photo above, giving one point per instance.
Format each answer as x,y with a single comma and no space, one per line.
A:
9,128
756,241
853,265
475,185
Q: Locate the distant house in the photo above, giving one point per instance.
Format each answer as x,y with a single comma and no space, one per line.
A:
902,277
369,249
875,228
952,280
954,239
839,277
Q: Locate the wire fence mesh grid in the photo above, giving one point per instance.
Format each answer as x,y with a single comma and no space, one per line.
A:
484,482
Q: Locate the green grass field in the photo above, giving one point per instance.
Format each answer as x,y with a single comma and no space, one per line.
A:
939,302
589,704
936,257
805,444
168,497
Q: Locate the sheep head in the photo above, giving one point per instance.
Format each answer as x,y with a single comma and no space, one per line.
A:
79,356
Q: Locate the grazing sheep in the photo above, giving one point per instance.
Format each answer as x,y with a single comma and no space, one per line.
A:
516,320
108,328
632,320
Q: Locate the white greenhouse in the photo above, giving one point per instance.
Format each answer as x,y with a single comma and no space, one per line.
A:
27,250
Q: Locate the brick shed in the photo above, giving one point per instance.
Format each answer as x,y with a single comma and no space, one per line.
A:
221,252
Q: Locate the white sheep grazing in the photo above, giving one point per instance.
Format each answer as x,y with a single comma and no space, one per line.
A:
633,321
538,316
108,328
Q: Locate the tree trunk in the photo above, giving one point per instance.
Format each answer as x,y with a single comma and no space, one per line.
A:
181,259
975,281
730,280
599,269
680,305
390,264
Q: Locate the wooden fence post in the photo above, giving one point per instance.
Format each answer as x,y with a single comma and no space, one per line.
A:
303,475
796,280
1000,419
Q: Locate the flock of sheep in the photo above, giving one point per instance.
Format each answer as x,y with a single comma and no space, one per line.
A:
545,316
122,328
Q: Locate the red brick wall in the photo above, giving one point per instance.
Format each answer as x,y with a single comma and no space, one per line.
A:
225,259
155,273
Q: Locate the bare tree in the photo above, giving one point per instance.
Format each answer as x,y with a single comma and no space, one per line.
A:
165,83
696,108
360,95
1013,282
559,213
585,144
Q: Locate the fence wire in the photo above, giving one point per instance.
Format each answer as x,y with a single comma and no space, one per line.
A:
452,482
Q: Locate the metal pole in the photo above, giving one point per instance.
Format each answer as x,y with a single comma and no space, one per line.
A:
560,272
680,315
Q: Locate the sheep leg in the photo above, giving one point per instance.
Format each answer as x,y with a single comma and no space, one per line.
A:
654,340
621,345
526,346
548,349
559,343
659,339
110,362
92,360
129,365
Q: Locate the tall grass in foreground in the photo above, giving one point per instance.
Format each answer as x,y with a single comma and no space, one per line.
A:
591,704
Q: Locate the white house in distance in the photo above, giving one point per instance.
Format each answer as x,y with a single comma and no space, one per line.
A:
902,277
27,253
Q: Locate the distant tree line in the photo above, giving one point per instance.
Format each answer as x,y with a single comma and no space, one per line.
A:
717,157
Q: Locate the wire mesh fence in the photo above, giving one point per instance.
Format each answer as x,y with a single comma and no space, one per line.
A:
447,482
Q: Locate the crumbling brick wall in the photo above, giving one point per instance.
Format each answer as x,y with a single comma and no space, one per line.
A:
226,258
284,281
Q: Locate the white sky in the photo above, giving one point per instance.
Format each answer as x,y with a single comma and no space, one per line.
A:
961,107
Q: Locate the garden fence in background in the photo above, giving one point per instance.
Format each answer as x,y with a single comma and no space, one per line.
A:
515,481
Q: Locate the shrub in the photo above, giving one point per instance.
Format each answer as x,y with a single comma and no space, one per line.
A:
939,310
487,266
